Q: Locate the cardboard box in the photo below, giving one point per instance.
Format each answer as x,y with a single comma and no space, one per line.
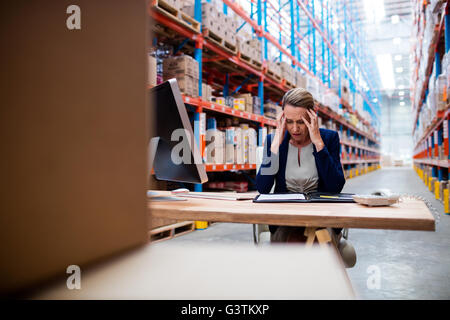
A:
230,36
252,145
195,86
211,18
215,145
256,105
248,101
300,80
239,104
229,145
206,92
185,83
271,110
244,48
219,100
173,3
262,135
239,145
195,69
179,66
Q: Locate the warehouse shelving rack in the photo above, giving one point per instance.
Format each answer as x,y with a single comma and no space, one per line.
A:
431,154
341,57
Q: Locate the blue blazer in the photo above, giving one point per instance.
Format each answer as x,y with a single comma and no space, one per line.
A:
328,163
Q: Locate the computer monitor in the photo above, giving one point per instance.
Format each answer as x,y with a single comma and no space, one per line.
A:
173,151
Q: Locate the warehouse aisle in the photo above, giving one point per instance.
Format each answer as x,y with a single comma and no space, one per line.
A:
411,264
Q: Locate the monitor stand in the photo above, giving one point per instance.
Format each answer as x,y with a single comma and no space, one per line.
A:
151,195
154,196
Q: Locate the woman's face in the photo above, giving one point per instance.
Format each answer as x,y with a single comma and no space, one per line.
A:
294,122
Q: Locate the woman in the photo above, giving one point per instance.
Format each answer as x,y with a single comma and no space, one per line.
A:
300,157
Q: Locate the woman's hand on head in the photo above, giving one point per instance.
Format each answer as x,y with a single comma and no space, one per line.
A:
313,128
279,132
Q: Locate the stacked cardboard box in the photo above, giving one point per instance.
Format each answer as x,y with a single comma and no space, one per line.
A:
231,145
287,72
248,101
239,104
238,145
212,19
173,3
256,105
252,104
230,26
247,52
274,67
312,85
256,49
271,110
300,79
331,100
215,146
185,69
219,100
206,92
252,145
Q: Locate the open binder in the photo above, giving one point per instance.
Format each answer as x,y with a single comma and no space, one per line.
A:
305,197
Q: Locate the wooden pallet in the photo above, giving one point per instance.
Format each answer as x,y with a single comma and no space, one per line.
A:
248,60
245,58
171,231
273,75
177,15
230,46
257,64
163,5
288,84
189,20
219,41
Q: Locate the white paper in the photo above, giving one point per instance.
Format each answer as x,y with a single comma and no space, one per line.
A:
288,196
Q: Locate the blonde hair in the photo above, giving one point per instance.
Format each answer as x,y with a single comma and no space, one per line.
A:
298,97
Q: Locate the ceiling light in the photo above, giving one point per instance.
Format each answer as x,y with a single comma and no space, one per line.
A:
399,69
397,40
375,100
401,87
385,69
395,19
398,57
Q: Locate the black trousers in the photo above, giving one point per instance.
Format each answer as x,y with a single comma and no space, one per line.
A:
284,233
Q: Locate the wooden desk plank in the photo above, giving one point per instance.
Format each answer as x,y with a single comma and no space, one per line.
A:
407,215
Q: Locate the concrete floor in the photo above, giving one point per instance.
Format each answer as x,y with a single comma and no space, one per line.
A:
411,264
